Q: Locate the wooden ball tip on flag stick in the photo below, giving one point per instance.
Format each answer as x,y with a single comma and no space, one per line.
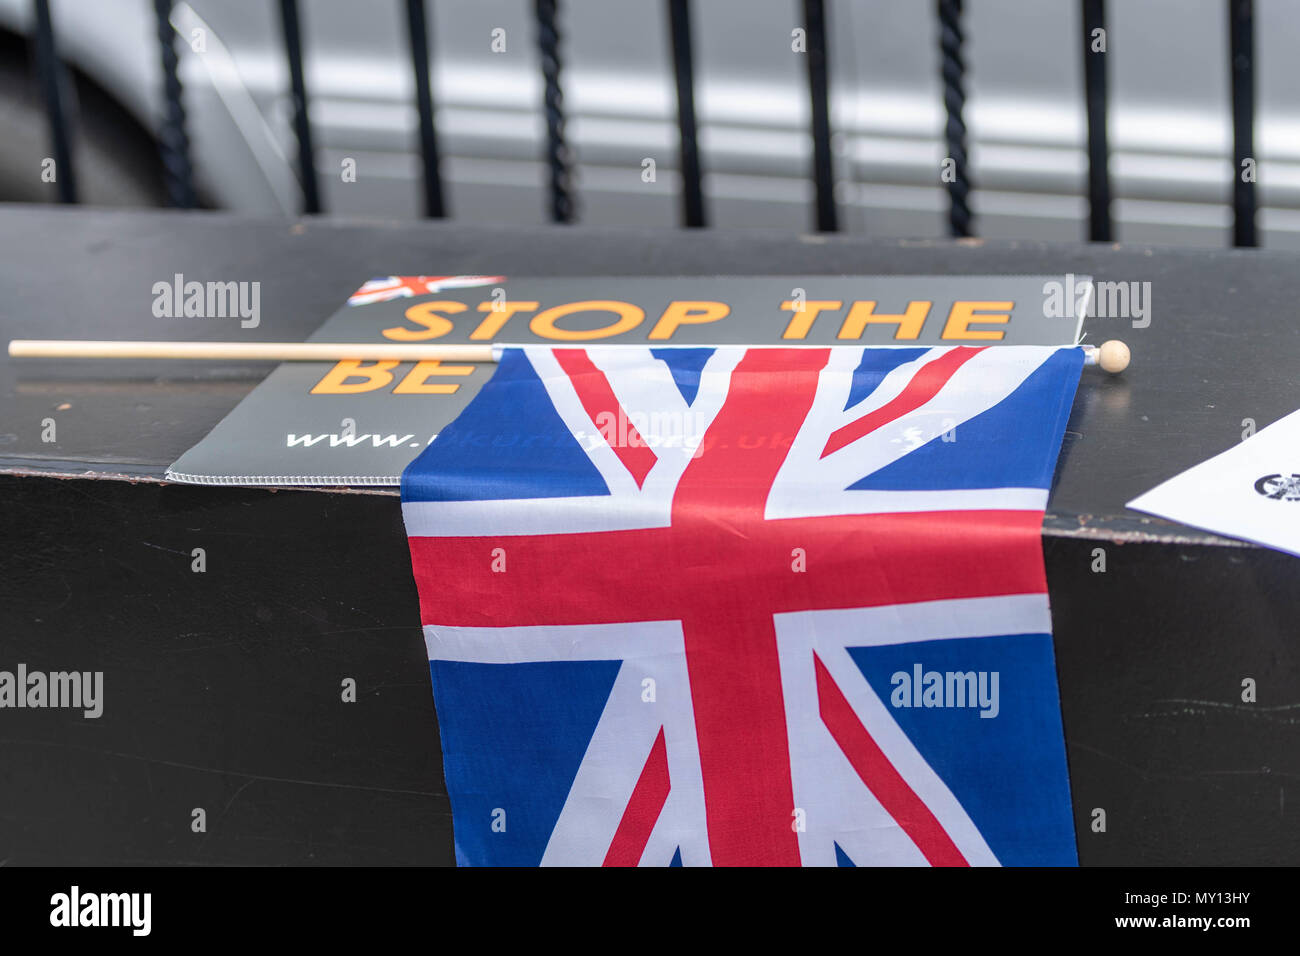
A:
1112,356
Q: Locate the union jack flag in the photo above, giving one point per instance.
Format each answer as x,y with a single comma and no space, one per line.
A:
395,287
688,606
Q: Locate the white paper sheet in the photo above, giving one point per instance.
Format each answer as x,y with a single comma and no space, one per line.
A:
1251,491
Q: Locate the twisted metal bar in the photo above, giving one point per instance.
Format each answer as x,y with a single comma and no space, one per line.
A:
951,38
54,88
301,122
679,22
814,13
418,33
557,151
1094,84
1241,42
173,142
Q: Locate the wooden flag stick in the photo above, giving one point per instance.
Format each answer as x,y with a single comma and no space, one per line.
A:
1112,356
252,351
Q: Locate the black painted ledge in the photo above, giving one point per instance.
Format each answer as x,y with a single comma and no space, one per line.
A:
223,688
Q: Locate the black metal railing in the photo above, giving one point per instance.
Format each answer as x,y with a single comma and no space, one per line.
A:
418,33
290,25
174,142
1094,90
953,69
956,177
1241,41
55,89
679,25
814,19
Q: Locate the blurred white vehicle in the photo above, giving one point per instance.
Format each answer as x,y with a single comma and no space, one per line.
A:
1170,126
